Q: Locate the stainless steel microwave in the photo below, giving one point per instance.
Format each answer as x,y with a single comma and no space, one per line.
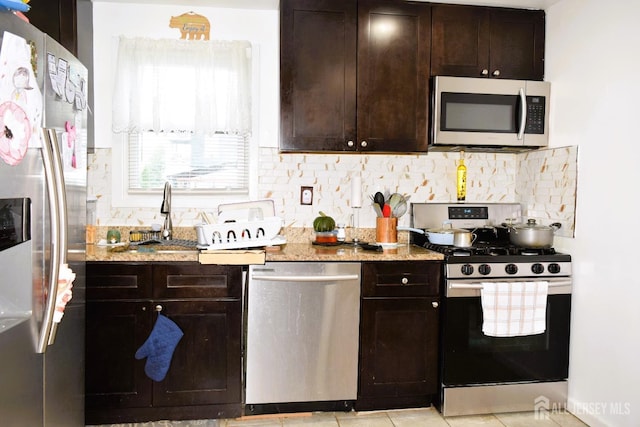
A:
489,114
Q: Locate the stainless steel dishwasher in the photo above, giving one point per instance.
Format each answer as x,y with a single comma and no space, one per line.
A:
302,332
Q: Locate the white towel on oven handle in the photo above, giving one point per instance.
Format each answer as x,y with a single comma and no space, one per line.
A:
511,309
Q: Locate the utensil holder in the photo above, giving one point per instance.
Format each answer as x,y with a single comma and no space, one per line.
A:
387,230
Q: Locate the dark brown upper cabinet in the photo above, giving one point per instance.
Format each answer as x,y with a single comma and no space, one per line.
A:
58,19
471,41
354,75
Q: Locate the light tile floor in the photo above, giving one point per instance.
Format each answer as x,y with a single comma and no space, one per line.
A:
427,417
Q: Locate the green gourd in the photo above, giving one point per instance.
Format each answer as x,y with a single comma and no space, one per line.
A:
323,223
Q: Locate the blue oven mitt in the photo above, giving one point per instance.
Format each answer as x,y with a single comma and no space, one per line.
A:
159,347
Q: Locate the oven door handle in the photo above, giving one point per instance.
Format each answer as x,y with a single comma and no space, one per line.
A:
474,289
479,285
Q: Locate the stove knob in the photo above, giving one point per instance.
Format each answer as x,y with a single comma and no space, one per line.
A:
511,269
467,269
554,268
537,268
484,269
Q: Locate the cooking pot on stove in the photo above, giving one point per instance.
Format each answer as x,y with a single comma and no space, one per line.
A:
532,235
443,235
464,238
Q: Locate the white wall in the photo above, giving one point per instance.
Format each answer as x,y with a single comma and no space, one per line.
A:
593,63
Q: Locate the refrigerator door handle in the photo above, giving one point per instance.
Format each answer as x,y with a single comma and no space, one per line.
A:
61,194
57,213
61,206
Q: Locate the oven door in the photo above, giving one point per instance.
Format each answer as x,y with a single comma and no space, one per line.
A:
470,357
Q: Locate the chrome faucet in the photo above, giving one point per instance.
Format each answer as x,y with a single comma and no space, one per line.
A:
165,209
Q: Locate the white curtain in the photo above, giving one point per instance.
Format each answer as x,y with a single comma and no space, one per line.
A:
182,86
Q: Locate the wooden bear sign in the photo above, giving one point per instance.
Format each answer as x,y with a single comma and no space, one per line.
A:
191,26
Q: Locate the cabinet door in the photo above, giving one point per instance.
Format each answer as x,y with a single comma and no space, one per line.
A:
206,367
393,75
517,44
195,280
398,352
114,378
459,41
57,18
317,75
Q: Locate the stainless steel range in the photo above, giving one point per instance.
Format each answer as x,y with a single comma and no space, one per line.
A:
481,373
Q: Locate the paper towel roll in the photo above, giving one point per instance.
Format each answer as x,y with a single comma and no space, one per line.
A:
356,191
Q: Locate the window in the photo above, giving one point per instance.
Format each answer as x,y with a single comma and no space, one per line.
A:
185,110
214,163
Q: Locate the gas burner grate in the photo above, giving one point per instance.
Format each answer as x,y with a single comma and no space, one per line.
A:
490,250
537,251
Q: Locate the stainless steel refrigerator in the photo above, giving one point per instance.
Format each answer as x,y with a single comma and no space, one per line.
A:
43,175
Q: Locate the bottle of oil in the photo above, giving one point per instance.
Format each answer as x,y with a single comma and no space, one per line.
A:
461,179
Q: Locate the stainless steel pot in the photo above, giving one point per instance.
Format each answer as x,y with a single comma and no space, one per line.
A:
532,235
463,239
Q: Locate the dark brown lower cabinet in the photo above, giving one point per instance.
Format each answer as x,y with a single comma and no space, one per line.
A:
204,379
398,335
113,378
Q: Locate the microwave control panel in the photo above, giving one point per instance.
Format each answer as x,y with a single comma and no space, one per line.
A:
535,115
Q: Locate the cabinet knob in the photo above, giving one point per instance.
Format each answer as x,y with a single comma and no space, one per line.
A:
350,144
485,72
496,73
435,304
158,308
404,280
363,144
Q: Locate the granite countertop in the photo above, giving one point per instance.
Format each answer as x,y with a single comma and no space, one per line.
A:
310,252
297,248
287,252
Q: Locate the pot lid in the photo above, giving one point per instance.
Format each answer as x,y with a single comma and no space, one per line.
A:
446,228
531,224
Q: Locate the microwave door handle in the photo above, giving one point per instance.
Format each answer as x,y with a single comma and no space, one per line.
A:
523,113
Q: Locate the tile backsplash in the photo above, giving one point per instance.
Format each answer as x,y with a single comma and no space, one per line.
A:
543,181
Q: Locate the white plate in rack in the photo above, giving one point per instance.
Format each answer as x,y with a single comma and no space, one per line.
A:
246,211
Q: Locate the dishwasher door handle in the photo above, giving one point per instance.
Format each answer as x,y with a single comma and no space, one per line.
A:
338,278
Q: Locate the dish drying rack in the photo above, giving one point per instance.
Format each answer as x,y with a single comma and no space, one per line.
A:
240,234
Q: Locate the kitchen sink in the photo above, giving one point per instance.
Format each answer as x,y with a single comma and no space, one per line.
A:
166,247
164,251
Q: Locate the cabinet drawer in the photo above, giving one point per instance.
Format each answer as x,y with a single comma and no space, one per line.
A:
115,280
194,280
404,279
